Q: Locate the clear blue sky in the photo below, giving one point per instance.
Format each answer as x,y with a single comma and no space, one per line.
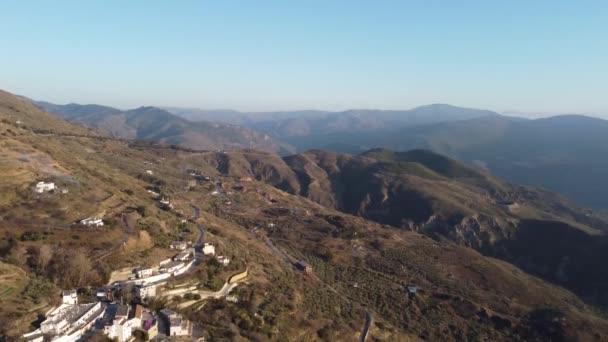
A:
529,56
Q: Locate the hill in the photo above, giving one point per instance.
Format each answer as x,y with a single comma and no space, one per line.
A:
361,267
158,125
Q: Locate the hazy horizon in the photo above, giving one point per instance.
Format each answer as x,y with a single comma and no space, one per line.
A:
532,115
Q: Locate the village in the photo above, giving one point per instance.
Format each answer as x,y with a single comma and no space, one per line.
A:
110,314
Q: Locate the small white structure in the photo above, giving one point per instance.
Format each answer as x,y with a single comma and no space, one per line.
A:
171,267
44,187
177,324
92,222
143,272
145,291
181,245
208,249
223,260
69,297
156,194
165,201
185,255
150,172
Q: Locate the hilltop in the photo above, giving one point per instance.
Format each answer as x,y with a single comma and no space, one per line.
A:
266,212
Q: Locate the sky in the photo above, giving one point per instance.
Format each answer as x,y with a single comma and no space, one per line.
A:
540,57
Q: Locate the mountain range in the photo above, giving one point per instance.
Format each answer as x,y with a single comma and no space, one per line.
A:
158,125
486,259
565,154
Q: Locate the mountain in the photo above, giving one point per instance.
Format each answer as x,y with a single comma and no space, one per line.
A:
158,125
565,154
308,123
380,231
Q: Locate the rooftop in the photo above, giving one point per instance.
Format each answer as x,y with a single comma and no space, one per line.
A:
172,264
122,310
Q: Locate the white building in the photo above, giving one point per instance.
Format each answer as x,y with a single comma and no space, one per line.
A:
150,172
92,222
120,329
171,267
185,255
208,249
181,245
69,322
177,324
144,272
223,260
44,187
145,291
69,297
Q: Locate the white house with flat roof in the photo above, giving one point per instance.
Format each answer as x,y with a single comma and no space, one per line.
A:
208,249
44,187
223,260
176,323
69,297
143,272
92,222
181,245
171,267
185,255
145,291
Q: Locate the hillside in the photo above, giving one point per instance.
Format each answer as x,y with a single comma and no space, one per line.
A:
157,125
360,266
426,192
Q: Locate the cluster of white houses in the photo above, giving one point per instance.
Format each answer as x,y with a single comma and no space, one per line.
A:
44,187
126,322
71,321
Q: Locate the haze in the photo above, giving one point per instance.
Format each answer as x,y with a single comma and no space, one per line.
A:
517,56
